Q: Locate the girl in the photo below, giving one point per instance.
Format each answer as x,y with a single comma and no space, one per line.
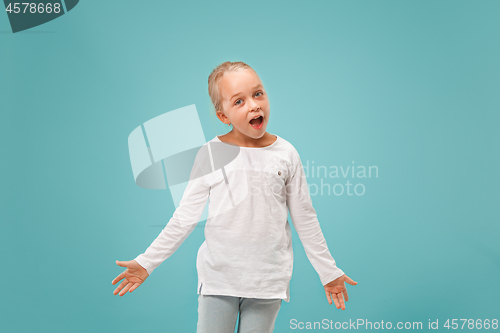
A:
245,264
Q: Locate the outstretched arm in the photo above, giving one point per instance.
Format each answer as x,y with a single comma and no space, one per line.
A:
180,226
306,223
182,223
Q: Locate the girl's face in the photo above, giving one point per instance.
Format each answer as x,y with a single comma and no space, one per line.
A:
243,99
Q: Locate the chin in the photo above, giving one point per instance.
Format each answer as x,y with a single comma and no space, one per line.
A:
260,136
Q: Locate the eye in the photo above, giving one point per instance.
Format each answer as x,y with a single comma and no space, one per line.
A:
236,103
259,92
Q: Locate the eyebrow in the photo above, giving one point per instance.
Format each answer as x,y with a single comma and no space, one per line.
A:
257,86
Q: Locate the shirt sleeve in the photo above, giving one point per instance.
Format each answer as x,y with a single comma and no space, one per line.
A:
307,225
180,226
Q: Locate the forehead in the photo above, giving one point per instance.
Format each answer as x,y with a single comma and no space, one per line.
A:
238,82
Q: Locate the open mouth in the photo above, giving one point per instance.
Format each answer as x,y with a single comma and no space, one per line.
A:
257,122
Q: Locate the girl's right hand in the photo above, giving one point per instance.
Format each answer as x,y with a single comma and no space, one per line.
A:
134,275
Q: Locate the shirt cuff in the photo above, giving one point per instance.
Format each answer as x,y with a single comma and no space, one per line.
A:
335,274
144,263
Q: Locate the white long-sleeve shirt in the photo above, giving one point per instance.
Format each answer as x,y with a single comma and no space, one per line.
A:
247,250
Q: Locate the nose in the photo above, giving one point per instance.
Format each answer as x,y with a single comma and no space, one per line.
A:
253,106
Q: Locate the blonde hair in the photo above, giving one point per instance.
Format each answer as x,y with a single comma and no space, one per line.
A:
217,75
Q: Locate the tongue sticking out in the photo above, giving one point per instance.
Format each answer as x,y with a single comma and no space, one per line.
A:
256,122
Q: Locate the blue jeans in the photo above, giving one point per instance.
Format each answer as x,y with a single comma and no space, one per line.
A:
219,313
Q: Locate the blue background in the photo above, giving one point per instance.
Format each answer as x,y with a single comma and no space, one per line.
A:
408,86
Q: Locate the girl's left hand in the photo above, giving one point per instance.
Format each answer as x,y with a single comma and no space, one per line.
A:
337,288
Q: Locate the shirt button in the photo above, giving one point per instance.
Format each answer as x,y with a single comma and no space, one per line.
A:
279,173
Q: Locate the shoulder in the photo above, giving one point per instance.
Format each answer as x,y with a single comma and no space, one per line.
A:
289,149
286,144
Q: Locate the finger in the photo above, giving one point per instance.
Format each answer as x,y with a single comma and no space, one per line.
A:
350,281
328,297
134,287
118,278
336,300
122,263
341,300
124,290
120,286
345,294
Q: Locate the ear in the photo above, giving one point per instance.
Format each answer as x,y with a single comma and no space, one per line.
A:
222,117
